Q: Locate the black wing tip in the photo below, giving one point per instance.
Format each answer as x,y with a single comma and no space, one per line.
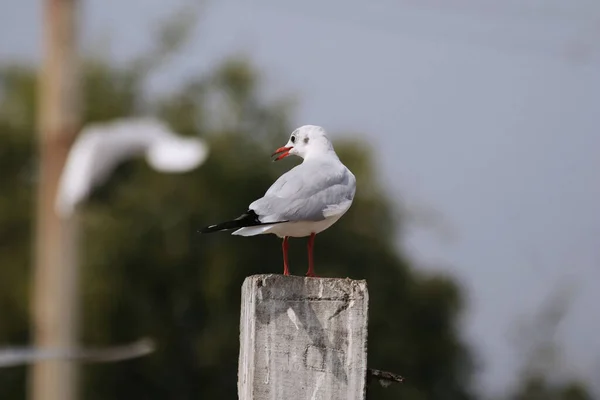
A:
249,218
207,229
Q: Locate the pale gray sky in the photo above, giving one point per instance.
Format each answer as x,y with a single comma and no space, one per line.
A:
482,114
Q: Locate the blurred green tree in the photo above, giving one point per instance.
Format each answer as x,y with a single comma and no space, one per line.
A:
17,179
539,388
146,271
543,373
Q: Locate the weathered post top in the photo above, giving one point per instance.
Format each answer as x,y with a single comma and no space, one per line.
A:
303,338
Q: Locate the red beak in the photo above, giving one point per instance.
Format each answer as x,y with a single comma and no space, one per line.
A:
282,152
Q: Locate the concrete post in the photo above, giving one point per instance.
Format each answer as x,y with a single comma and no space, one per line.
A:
303,338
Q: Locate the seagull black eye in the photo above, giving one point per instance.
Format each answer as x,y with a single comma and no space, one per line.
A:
293,139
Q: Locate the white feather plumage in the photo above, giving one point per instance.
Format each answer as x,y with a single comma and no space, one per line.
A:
99,148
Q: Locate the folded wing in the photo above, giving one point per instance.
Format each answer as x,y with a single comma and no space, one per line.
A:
308,192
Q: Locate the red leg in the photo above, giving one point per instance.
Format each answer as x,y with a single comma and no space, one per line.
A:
285,246
311,266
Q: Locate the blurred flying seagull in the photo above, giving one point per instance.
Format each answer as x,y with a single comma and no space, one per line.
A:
304,201
99,148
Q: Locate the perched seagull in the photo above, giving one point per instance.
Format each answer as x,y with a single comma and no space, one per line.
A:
304,201
99,148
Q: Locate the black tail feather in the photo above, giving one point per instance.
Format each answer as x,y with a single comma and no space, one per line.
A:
249,218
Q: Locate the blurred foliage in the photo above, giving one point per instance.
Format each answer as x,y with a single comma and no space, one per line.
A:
543,376
146,271
538,388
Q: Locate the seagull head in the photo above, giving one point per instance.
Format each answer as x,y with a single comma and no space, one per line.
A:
306,141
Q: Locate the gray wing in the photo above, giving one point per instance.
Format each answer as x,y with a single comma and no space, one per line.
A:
308,192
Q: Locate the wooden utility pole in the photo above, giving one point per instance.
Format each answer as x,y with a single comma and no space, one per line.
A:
303,338
55,299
